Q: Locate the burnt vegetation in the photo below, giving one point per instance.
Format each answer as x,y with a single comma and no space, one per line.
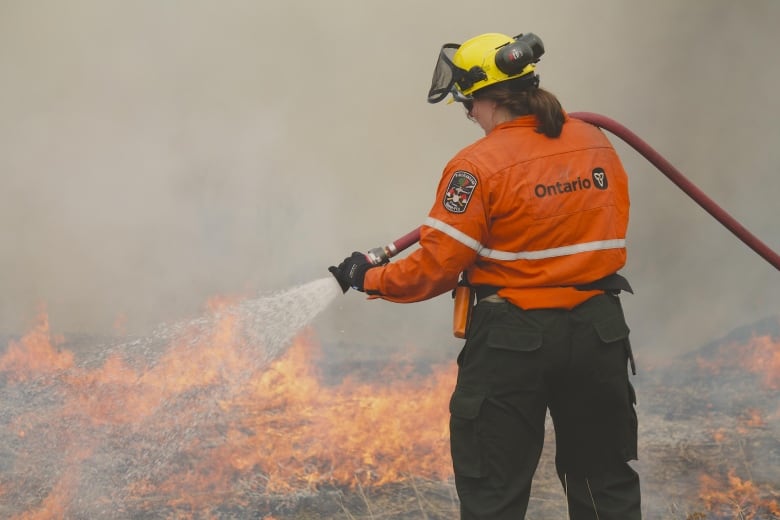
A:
709,447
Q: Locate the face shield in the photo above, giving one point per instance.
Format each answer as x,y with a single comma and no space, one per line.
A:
448,78
445,74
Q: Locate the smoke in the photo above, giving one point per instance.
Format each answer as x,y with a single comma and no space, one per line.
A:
156,155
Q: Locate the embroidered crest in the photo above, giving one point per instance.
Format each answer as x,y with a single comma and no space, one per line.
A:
458,193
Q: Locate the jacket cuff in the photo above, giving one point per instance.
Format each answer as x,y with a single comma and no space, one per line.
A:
371,281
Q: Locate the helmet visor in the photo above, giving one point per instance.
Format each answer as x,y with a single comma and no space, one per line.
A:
445,74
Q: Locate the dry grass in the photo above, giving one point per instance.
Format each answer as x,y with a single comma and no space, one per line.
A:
709,450
672,474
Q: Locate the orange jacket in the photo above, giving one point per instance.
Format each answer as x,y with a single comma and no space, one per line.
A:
521,211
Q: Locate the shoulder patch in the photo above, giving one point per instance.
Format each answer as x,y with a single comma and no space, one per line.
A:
458,193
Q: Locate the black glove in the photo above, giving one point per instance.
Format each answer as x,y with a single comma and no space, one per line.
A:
352,271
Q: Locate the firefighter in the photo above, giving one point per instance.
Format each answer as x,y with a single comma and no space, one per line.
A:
533,216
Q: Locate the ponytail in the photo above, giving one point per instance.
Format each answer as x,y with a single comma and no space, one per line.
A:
548,111
526,101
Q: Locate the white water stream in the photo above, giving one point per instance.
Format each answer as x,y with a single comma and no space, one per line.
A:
267,324
48,447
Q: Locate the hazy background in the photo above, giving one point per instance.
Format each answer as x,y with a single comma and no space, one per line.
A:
157,154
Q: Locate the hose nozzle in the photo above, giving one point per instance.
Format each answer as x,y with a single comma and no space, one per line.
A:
380,255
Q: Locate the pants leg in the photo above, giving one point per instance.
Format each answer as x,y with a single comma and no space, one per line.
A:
497,418
612,495
509,445
592,406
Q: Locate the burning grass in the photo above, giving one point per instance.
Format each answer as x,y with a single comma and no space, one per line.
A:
202,432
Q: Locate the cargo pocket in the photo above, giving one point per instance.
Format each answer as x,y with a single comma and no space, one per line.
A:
612,329
514,339
513,358
613,333
465,406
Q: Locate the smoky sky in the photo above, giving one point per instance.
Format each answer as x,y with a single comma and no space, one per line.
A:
155,155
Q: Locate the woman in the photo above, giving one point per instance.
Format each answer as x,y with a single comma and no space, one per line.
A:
534,217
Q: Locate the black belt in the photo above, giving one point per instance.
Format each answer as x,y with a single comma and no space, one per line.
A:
613,283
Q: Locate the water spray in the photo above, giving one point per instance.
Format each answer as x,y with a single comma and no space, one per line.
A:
381,255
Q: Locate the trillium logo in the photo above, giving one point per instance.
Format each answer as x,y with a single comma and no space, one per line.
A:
599,179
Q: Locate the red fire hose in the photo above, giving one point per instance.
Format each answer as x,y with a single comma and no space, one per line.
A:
667,169
683,183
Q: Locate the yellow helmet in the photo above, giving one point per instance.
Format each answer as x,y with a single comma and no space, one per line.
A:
483,61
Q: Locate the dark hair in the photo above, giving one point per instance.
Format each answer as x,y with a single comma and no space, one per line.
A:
522,99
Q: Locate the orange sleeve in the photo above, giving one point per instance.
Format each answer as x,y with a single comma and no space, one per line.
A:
429,271
435,266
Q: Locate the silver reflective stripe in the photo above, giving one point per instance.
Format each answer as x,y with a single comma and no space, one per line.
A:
555,251
481,250
460,236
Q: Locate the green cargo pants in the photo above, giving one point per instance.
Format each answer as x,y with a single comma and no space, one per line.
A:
514,366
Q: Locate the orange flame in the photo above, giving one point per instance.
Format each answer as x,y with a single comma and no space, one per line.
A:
740,498
299,434
283,429
272,429
762,356
35,354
